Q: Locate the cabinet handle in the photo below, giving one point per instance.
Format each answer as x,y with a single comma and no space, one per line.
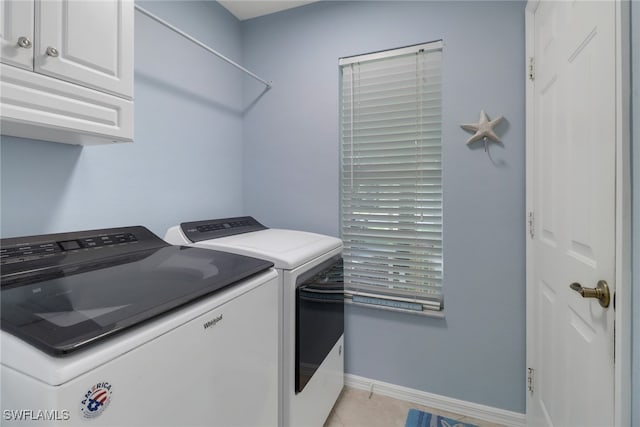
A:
24,42
53,52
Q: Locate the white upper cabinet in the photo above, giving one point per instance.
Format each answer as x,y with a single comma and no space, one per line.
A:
67,70
86,42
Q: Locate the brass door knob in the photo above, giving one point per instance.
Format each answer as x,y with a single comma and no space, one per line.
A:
600,292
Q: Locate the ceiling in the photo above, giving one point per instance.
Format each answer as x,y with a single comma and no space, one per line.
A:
247,9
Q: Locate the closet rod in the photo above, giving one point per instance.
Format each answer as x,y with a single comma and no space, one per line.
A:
202,45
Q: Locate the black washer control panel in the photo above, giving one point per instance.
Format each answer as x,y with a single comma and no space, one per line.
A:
22,254
197,231
26,250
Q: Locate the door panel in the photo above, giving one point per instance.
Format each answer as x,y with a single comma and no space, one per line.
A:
574,204
548,194
548,351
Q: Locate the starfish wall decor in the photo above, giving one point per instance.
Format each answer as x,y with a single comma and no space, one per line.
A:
483,129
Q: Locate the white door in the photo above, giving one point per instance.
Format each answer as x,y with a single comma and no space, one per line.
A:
87,43
571,338
16,33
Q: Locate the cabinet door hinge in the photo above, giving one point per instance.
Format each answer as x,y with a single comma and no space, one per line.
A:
531,224
532,69
530,372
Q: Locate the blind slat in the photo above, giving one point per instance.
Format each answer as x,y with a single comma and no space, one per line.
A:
384,94
388,150
365,189
403,218
389,104
416,159
382,259
399,176
394,138
404,246
385,284
394,274
415,264
388,250
429,111
403,125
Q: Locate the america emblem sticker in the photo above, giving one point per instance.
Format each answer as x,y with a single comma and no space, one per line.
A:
96,400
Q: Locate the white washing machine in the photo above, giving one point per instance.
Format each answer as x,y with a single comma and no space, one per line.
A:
309,267
117,328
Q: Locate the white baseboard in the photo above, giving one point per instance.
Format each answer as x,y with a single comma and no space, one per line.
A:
443,403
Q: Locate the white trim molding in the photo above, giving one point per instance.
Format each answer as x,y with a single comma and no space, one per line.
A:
530,361
623,295
435,401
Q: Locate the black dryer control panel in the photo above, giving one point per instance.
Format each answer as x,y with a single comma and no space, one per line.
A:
197,231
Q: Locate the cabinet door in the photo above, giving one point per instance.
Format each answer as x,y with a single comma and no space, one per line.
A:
16,26
89,43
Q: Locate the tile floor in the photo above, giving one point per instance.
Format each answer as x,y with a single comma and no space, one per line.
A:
354,408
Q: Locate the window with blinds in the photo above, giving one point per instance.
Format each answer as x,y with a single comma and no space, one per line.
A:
391,178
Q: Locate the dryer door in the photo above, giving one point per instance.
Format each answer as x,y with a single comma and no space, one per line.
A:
319,317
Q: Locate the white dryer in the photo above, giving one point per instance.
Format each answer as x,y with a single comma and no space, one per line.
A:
309,267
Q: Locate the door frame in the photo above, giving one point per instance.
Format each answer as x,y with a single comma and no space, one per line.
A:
622,370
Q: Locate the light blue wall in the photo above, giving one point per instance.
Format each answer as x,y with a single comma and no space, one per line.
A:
477,353
635,171
186,161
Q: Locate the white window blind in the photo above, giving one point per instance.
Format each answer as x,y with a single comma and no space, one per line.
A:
391,177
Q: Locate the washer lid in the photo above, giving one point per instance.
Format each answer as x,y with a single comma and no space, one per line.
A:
80,293
287,249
